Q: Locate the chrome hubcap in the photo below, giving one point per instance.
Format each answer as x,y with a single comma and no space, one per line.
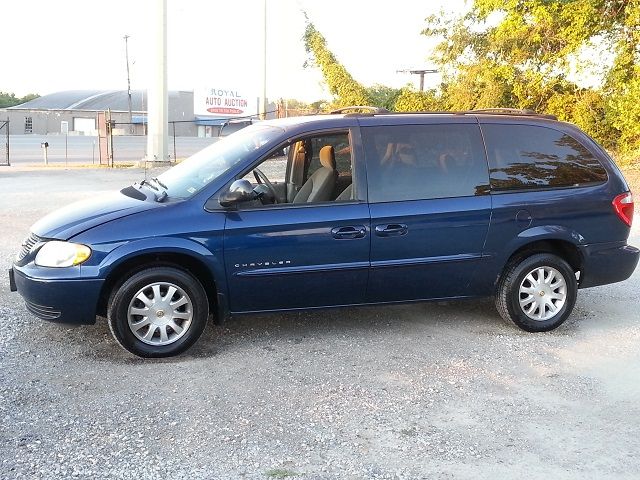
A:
542,293
160,313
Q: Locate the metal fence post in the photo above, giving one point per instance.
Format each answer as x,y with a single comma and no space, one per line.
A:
8,157
175,159
110,133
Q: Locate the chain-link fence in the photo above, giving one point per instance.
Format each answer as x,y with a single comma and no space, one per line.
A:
186,137
117,141
283,110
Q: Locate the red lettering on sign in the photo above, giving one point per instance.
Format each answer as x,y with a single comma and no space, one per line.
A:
225,110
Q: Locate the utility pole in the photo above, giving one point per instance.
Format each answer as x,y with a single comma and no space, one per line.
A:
420,72
263,102
126,54
157,98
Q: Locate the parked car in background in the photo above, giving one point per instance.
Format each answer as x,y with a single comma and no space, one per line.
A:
233,125
336,210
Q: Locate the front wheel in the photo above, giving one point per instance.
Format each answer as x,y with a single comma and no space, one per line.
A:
158,312
537,293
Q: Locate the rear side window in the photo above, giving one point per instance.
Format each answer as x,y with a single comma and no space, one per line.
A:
420,162
533,157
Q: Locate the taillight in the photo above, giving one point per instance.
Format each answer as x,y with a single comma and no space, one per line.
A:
623,205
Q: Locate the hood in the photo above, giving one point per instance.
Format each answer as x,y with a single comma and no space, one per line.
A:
80,216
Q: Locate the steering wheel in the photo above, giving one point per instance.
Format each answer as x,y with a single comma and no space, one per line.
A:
262,179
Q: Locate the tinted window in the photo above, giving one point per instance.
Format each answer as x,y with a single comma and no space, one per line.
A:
525,156
414,162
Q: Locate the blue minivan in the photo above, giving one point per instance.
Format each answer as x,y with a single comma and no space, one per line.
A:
335,210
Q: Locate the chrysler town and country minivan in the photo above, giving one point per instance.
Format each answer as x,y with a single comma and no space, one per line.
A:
336,210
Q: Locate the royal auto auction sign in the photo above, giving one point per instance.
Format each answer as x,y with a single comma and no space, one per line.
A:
228,102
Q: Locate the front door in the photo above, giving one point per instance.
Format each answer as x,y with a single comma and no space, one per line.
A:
301,254
430,209
294,257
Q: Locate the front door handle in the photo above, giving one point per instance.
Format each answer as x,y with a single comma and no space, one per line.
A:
342,233
391,230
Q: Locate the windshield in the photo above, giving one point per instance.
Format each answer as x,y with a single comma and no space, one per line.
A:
197,171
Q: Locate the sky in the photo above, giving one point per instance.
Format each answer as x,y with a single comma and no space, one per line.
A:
78,44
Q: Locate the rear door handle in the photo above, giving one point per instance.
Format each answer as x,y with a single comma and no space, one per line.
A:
342,233
391,230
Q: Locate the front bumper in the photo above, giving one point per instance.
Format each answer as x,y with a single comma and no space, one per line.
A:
72,301
607,263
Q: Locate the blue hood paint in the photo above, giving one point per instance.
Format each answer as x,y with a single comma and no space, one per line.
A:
80,216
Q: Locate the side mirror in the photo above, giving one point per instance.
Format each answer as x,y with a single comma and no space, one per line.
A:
239,191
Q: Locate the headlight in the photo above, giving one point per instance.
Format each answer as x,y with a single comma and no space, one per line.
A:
62,254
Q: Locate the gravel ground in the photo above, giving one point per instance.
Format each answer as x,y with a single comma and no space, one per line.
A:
440,390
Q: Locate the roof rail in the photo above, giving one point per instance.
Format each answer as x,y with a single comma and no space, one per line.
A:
513,111
360,107
484,111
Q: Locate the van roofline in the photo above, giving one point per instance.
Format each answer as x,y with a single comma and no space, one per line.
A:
488,114
374,111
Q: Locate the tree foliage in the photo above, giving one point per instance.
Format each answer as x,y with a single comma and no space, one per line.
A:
522,54
410,100
383,96
347,91
514,53
9,99
341,84
624,111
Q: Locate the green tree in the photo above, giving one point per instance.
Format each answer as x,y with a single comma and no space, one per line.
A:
297,104
410,100
29,97
341,84
347,91
383,96
9,99
514,53
624,113
319,105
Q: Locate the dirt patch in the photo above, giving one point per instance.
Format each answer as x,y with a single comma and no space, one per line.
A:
440,391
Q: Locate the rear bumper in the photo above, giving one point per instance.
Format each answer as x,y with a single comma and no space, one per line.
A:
64,301
607,263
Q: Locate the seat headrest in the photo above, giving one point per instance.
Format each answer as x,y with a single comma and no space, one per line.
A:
328,157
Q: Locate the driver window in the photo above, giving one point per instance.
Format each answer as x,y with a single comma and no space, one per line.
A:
320,170
274,167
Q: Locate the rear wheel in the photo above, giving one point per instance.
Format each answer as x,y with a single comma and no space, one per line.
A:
537,293
158,312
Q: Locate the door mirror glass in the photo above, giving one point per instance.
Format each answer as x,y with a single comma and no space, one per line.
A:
239,191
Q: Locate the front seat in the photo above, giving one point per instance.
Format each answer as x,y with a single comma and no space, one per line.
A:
319,187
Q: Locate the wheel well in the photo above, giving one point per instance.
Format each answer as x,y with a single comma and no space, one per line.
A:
566,250
136,264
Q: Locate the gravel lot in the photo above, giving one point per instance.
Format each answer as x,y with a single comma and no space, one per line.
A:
440,390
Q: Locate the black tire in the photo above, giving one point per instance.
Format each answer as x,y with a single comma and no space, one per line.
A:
508,293
122,298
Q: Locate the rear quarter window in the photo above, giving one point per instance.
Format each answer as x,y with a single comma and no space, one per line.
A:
535,157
